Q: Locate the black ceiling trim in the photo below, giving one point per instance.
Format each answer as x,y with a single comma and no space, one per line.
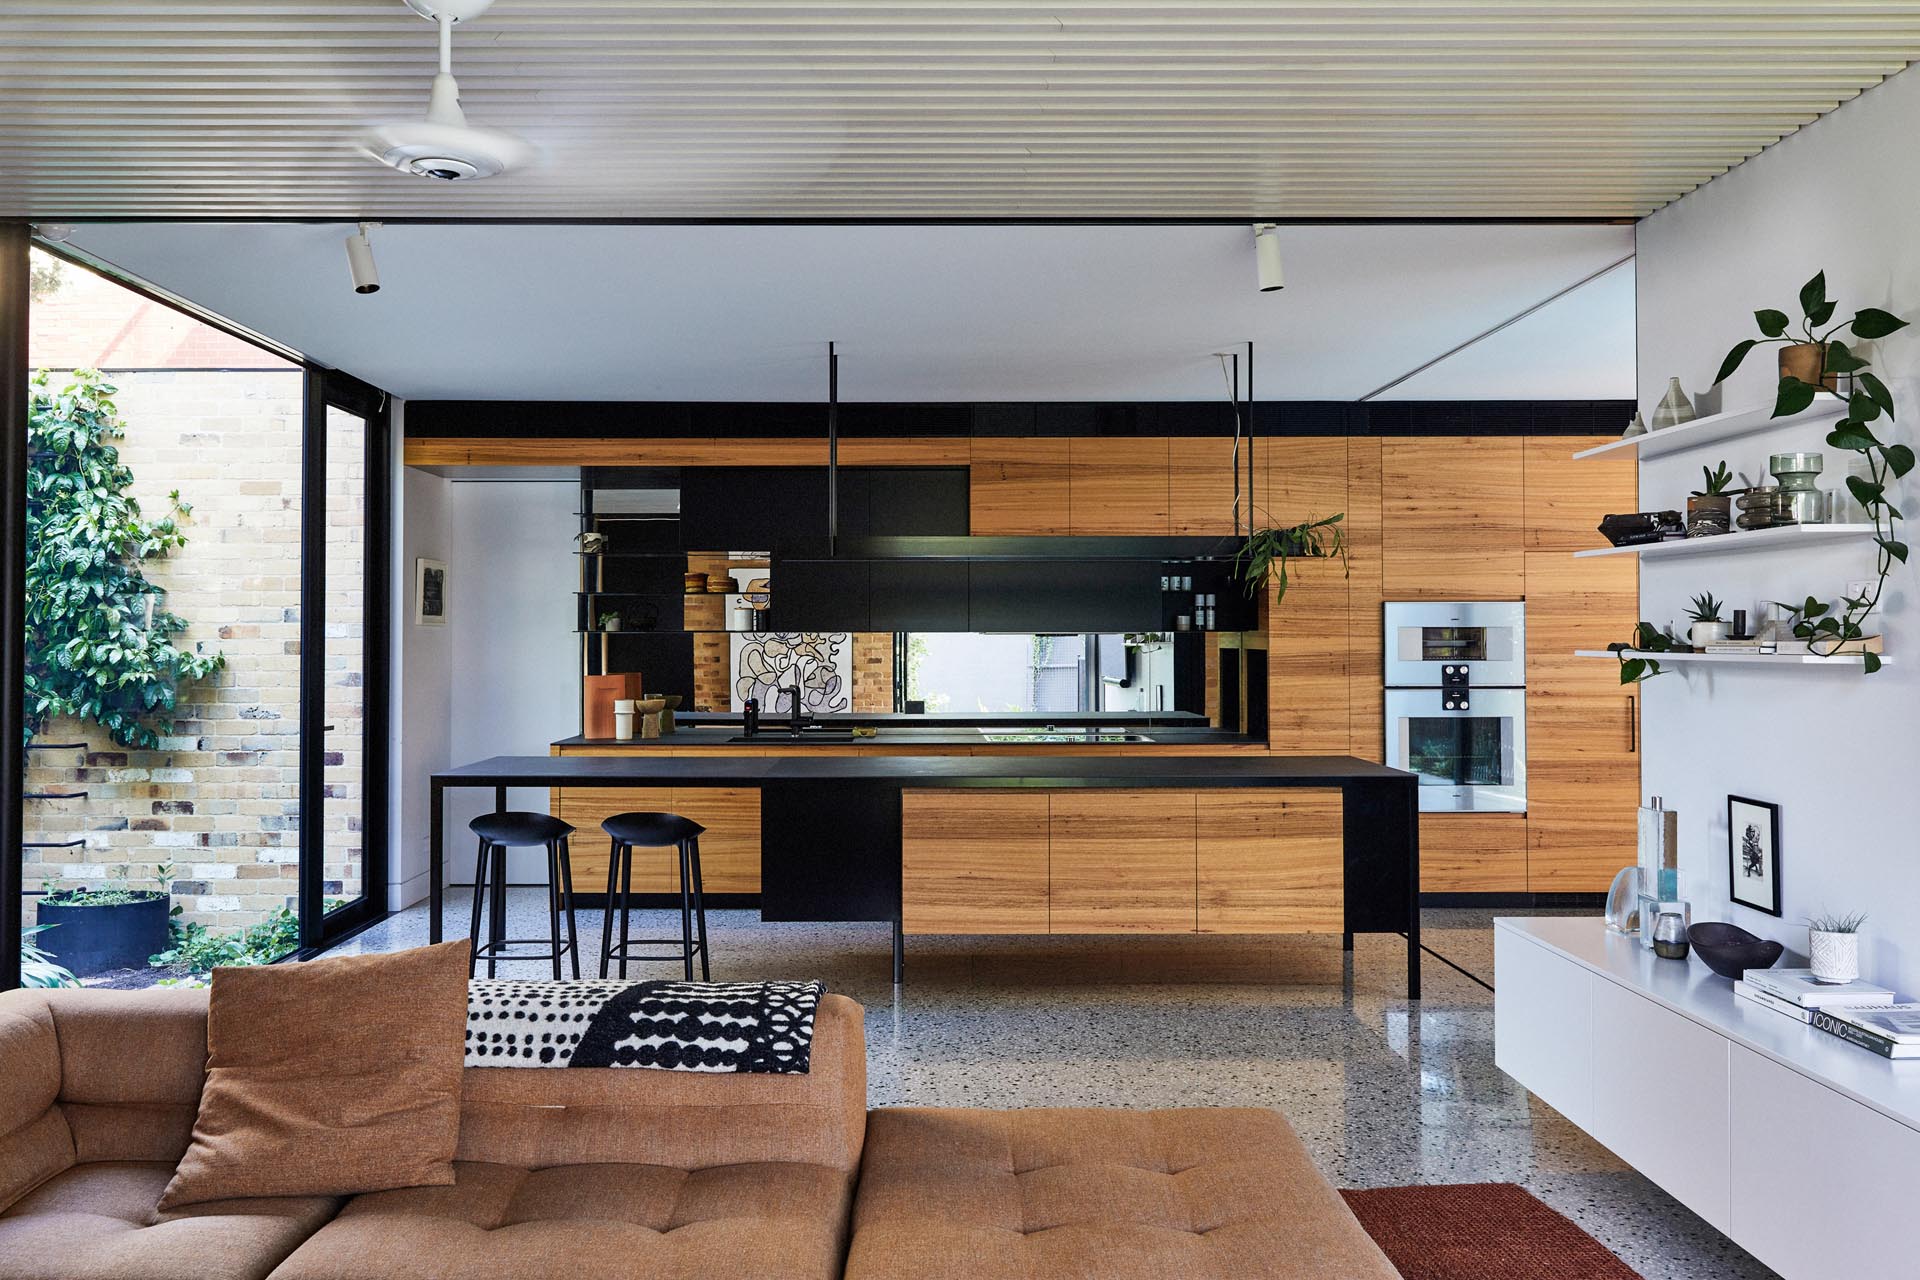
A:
653,420
1218,220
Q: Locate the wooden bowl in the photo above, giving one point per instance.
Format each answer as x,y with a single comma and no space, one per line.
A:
1730,950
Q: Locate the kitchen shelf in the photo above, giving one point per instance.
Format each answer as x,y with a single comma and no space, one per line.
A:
1750,659
1719,426
1748,540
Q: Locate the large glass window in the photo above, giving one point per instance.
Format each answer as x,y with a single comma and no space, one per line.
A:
967,672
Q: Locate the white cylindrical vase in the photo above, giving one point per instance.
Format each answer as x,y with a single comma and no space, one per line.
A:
1835,957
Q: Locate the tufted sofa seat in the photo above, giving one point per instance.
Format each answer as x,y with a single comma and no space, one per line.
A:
1118,1195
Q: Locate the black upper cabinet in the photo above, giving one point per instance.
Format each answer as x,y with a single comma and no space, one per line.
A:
818,595
1093,595
762,508
918,595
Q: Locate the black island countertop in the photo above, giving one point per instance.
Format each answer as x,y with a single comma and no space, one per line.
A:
1114,770
775,737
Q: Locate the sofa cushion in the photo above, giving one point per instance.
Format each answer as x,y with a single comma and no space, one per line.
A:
773,1221
1066,1194
35,1142
98,1222
329,1078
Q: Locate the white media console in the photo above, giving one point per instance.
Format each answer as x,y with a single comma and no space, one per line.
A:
1805,1151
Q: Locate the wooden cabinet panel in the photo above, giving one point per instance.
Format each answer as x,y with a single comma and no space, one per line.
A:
1308,650
1565,498
1271,860
729,848
1453,518
973,861
1122,862
1200,471
1473,852
1019,486
1117,485
1301,478
1583,764
1366,633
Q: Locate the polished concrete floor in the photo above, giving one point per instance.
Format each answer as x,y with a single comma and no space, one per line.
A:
1383,1092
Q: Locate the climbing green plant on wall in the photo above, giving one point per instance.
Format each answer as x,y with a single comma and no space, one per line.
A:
99,638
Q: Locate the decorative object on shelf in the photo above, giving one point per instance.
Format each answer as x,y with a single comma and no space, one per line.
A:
1811,624
1658,843
609,621
1764,506
1867,399
592,541
672,704
767,664
623,719
429,593
1623,901
1708,626
1635,665
648,712
1739,631
1637,427
597,696
1730,951
1807,362
1670,936
694,584
1709,510
1798,474
1753,854
1642,527
1833,946
1674,407
1266,551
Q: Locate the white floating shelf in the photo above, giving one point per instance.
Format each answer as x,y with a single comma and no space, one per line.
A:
1719,426
1738,543
1751,659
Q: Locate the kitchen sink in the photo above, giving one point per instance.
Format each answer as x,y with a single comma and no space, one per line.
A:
777,736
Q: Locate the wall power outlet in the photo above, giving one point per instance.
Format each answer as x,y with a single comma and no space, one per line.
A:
1860,587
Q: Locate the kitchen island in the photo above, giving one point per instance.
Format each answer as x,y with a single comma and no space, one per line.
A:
1117,842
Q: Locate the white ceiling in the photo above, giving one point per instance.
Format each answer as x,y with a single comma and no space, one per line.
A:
921,313
964,108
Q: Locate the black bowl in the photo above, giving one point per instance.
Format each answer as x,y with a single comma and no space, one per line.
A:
1730,950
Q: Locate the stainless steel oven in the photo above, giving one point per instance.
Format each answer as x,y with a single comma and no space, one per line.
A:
1456,702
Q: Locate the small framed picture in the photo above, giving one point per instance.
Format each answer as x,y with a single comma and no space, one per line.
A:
1753,853
429,593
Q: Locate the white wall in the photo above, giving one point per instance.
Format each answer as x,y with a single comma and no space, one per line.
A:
1837,750
422,674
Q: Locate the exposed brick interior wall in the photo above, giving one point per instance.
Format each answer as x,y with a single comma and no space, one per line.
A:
219,802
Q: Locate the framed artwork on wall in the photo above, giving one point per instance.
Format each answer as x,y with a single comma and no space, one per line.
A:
429,593
1753,853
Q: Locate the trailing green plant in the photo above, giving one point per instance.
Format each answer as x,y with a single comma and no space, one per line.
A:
1867,400
1716,480
1828,922
99,639
1704,608
1647,639
1266,551
38,968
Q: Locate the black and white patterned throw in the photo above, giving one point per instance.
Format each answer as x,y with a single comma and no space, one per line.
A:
763,1028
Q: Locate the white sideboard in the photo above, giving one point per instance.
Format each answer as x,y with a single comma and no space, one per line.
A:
1803,1150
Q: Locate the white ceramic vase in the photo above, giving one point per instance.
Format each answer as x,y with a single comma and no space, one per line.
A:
1702,634
1835,956
1674,407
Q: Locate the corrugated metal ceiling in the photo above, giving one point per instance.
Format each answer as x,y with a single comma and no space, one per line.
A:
960,108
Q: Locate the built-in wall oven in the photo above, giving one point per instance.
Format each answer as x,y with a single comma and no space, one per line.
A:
1456,701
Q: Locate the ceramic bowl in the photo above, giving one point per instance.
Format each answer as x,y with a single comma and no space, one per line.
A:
1730,950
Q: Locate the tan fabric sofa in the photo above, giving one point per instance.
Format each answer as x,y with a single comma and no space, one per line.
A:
647,1175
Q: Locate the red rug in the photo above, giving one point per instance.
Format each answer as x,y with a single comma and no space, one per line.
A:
1480,1231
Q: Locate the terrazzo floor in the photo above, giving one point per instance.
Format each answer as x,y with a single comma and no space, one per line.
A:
1383,1093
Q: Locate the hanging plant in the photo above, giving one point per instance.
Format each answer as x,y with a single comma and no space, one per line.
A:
99,639
1265,552
1826,361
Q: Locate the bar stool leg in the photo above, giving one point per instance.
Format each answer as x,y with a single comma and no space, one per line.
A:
479,896
566,881
497,908
626,905
686,910
606,922
700,910
553,903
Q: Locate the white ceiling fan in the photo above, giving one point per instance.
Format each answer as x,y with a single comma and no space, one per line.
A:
444,146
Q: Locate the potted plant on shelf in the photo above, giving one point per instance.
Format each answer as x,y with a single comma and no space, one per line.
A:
1710,509
1707,626
1635,663
118,927
1833,943
1265,552
1814,362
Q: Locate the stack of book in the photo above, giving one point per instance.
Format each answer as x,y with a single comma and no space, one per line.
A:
1890,1030
1858,1012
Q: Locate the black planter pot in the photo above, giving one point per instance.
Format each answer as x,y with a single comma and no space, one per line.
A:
90,940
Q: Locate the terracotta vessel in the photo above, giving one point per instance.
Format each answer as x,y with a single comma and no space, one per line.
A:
1804,361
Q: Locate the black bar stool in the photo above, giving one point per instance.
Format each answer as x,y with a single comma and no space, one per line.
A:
499,832
653,830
